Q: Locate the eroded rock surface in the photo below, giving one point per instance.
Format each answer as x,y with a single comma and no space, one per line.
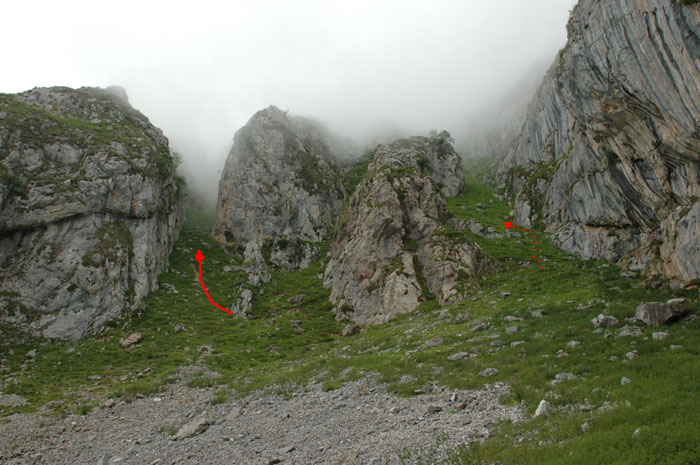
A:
89,209
610,152
280,181
393,241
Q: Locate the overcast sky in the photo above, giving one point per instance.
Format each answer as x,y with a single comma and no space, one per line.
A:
200,69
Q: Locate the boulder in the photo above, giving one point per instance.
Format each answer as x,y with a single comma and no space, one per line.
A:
659,313
131,340
193,428
603,320
350,329
544,408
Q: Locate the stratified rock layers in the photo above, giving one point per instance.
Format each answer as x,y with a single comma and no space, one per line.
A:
393,240
90,209
609,156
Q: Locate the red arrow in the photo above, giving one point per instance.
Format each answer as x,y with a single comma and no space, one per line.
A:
199,257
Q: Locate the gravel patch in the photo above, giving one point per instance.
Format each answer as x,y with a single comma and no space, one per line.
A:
358,423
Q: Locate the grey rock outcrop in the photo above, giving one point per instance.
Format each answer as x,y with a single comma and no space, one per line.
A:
89,209
393,240
243,303
280,182
610,149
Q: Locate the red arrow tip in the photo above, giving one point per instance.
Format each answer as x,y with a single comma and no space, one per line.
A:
199,257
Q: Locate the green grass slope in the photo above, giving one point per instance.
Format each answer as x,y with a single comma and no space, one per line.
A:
653,419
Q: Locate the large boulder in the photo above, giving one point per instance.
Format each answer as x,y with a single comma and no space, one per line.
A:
393,242
660,313
609,154
89,209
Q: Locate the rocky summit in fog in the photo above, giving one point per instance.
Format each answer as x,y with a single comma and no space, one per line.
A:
89,209
609,156
281,183
392,249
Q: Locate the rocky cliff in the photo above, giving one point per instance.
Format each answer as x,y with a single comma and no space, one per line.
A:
393,249
609,156
281,183
89,209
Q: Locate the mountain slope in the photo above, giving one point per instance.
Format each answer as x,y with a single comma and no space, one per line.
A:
288,357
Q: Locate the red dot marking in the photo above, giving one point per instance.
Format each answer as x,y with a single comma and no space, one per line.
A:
509,224
543,268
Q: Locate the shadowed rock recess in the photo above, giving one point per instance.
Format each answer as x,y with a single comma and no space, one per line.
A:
393,250
281,187
89,209
609,156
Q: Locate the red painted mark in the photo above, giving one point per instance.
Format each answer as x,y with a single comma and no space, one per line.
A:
509,224
199,257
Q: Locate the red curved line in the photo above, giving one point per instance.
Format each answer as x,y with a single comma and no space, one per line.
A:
207,292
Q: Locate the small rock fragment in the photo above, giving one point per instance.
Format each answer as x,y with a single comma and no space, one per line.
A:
134,338
544,408
625,380
193,428
628,330
458,356
296,299
350,329
433,409
512,329
657,336
603,320
488,372
434,342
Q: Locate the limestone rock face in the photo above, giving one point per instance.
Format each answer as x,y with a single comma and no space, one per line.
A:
89,209
609,155
280,181
393,239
